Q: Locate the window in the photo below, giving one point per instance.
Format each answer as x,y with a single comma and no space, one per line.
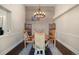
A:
5,20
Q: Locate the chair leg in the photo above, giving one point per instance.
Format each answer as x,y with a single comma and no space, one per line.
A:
24,43
39,52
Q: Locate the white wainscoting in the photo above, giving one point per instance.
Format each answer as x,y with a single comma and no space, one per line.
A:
9,41
70,41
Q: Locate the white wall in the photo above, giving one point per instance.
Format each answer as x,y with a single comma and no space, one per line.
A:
1,22
68,30
17,15
10,40
61,8
3,19
2,12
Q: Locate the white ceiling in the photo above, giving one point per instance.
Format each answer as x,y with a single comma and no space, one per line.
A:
40,5
47,8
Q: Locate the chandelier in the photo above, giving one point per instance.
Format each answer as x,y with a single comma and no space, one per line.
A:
39,13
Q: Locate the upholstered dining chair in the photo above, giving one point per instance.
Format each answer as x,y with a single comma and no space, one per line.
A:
39,43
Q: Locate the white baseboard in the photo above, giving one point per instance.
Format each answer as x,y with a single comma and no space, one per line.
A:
69,47
10,48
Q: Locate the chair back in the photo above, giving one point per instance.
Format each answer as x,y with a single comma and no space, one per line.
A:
39,40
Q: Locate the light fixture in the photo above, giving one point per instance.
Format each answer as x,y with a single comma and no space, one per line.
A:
39,13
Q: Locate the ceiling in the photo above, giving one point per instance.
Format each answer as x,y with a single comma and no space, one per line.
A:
47,8
40,5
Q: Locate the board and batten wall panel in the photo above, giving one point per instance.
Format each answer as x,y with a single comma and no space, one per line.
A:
68,29
9,41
